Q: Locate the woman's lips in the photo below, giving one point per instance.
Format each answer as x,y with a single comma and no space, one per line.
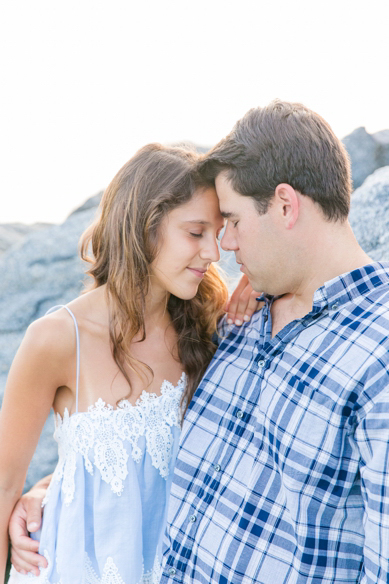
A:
198,273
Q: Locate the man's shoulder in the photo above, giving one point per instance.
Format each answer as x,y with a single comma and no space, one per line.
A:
230,334
374,301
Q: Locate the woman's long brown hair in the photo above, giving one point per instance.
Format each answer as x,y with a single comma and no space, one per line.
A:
124,242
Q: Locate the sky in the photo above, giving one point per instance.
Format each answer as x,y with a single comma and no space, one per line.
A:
86,83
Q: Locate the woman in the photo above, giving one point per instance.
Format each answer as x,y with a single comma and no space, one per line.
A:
119,366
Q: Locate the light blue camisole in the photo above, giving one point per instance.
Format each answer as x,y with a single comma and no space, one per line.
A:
105,510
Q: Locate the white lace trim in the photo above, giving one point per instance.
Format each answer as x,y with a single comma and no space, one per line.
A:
110,574
103,429
154,575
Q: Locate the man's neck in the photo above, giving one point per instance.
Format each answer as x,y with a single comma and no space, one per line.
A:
337,253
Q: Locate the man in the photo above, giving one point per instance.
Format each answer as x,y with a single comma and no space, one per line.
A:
282,472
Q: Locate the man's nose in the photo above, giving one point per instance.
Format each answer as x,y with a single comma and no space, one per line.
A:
228,241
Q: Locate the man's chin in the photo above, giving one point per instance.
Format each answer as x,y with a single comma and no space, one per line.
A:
255,285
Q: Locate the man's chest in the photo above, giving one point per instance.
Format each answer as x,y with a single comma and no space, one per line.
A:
282,396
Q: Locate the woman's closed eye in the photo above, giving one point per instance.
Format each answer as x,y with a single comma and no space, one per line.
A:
195,234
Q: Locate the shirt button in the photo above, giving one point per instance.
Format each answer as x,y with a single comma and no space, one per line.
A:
239,414
192,518
335,306
261,363
217,467
172,571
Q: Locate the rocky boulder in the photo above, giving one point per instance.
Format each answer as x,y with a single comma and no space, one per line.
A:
13,233
367,153
369,214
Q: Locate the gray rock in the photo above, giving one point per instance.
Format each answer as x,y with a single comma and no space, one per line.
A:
369,216
90,203
367,153
382,139
13,233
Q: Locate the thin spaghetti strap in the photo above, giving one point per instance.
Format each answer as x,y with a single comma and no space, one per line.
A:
77,347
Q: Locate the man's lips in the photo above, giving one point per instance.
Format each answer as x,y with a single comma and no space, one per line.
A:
241,264
199,272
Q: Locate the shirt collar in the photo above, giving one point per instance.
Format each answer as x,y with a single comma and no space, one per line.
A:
345,287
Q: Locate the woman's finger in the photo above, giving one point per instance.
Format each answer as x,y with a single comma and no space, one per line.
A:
253,305
235,299
24,562
241,306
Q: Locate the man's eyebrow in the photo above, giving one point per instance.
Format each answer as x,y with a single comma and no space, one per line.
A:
227,214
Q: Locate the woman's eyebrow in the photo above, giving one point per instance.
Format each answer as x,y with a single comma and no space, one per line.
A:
201,221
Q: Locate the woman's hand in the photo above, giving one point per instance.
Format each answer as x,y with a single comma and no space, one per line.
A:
27,517
243,303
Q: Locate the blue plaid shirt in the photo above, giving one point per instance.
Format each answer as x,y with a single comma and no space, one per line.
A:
283,471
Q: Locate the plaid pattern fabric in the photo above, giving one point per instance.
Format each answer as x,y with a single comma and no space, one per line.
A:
283,471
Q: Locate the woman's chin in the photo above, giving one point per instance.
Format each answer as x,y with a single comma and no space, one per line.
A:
187,294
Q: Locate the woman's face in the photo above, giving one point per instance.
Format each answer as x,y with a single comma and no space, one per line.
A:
188,245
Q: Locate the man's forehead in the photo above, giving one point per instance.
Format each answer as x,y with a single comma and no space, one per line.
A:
229,199
222,180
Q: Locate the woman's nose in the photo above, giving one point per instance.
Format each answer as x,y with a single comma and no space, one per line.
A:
211,251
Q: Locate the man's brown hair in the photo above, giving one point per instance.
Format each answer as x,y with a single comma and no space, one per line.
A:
284,143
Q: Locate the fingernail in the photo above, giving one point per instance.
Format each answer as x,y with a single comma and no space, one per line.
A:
23,572
246,318
32,526
238,322
229,321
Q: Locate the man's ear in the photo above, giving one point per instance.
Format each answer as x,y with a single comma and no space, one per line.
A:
288,203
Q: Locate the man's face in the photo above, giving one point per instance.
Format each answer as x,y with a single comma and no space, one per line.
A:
254,238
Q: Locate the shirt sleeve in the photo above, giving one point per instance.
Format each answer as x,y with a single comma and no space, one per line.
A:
372,438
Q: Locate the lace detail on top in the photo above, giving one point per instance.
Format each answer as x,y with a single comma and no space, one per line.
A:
103,429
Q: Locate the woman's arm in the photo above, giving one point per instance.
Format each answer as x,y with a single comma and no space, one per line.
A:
243,303
36,373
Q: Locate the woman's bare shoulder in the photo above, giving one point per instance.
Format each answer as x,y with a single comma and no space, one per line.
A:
52,335
55,334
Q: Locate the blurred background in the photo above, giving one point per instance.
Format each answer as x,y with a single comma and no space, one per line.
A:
85,83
